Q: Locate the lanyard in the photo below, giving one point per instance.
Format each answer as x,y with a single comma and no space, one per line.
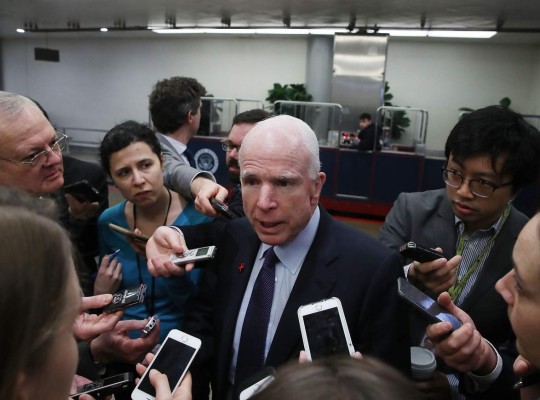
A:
456,289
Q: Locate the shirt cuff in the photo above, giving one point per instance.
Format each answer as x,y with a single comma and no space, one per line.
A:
479,383
203,174
406,269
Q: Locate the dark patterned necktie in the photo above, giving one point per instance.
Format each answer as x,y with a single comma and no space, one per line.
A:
254,331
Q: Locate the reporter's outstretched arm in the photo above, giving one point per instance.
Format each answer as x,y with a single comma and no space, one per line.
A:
464,349
117,346
164,242
204,189
88,326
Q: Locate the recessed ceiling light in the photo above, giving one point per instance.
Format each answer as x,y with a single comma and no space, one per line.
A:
20,30
104,30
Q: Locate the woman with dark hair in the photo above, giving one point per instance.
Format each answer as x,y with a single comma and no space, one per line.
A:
131,154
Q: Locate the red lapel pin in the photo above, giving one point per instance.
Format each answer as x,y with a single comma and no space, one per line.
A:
241,267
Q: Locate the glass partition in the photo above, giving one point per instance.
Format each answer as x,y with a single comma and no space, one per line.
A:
323,118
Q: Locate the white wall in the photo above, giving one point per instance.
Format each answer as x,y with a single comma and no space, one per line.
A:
444,76
100,82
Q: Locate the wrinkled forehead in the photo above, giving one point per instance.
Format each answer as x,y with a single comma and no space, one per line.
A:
23,124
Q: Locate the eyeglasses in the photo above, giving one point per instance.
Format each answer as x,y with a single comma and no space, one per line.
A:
57,146
228,146
479,187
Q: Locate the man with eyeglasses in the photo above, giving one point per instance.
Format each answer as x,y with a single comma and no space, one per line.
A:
241,124
491,154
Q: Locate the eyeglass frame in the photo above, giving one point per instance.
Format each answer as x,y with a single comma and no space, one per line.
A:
60,142
492,185
227,146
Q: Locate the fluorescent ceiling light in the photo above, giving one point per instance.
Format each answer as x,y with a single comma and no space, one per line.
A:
104,30
462,34
249,31
404,32
20,30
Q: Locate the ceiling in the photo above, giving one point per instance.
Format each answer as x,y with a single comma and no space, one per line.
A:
510,15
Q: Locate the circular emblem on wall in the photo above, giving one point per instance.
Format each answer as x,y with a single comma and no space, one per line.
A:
206,160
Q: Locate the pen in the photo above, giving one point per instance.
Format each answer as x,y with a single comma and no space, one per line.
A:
113,255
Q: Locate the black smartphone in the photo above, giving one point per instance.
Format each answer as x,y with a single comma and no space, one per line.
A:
428,307
222,208
419,253
105,387
255,383
83,191
125,298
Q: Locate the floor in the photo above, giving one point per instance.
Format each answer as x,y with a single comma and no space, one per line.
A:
369,226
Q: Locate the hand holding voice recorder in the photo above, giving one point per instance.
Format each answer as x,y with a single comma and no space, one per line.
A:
125,298
104,387
193,255
221,208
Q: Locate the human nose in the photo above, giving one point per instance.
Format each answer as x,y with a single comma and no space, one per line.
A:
266,198
52,157
464,190
138,178
504,288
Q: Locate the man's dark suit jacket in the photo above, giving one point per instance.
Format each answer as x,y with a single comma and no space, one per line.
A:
83,233
342,262
427,218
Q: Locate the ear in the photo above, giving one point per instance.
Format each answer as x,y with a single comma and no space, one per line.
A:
24,388
189,117
161,161
317,187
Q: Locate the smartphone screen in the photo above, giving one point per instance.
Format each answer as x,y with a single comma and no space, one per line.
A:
172,360
325,333
425,304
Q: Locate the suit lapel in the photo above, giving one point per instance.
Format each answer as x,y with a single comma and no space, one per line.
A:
235,275
315,282
446,228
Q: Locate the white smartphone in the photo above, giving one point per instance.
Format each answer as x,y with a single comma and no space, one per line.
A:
193,255
324,329
172,359
256,383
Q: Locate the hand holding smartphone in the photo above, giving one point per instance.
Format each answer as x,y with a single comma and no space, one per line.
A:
428,307
419,253
83,191
324,329
172,359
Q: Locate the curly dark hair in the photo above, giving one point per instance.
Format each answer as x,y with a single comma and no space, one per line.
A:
121,136
172,99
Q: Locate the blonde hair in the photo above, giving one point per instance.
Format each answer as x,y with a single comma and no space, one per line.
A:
35,260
